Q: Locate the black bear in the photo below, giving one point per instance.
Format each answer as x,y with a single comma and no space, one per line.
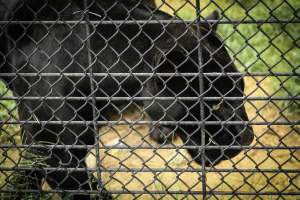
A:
67,60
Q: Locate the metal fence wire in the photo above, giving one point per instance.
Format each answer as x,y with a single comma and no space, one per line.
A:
149,99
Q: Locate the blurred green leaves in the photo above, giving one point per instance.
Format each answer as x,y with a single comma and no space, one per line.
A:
8,111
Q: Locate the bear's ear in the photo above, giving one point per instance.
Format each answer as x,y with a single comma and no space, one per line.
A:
212,25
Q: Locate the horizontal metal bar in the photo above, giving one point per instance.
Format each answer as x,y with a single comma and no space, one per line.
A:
152,192
231,98
122,122
147,169
138,147
210,74
169,21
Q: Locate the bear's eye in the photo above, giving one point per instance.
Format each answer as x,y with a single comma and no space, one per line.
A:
218,106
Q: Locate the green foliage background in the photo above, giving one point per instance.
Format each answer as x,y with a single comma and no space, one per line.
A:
261,47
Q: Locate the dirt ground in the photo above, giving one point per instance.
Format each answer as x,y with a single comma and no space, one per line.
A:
259,160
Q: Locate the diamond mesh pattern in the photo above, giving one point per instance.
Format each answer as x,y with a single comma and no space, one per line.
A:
149,99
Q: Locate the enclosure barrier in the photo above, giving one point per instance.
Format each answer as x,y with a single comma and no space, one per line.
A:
150,99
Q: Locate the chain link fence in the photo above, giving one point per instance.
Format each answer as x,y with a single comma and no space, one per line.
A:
149,99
